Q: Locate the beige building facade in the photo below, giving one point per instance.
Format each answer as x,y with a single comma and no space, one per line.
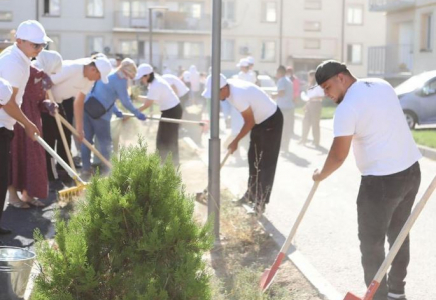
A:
410,38
300,33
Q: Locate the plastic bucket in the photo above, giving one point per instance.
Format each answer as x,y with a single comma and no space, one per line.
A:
15,267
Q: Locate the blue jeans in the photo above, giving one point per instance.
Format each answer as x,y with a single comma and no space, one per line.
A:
101,130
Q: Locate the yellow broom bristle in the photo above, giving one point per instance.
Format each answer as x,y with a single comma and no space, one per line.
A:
72,191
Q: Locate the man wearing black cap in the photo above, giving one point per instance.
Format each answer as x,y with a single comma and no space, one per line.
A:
369,115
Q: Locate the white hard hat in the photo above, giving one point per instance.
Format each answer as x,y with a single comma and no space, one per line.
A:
143,69
243,63
207,93
104,66
32,31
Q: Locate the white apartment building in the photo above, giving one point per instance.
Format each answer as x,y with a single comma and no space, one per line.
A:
300,33
410,35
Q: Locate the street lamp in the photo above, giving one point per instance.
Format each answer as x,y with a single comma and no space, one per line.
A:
150,29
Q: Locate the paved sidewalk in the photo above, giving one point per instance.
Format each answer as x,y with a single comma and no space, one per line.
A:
327,236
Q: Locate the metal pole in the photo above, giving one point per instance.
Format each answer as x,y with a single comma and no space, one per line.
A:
37,10
213,204
150,29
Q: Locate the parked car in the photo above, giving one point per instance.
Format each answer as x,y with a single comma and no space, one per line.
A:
418,99
267,84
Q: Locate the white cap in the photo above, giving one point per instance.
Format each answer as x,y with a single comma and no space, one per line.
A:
104,67
250,60
243,62
32,31
143,69
186,76
207,93
5,92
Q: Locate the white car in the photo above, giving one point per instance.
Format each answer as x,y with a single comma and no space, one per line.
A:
267,84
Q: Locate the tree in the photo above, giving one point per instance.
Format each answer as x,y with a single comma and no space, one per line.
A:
133,237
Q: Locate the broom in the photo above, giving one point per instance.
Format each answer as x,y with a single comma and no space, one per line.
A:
170,120
69,192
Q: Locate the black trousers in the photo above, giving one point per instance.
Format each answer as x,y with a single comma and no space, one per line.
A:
263,153
167,140
383,205
52,135
5,149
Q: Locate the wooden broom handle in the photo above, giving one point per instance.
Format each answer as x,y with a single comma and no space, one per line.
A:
87,143
404,232
62,133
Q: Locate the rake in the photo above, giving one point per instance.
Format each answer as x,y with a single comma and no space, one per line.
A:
170,120
269,274
373,287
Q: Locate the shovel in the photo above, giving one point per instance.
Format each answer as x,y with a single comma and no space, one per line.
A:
269,274
373,287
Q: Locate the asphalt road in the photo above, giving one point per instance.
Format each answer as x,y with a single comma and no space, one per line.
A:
327,236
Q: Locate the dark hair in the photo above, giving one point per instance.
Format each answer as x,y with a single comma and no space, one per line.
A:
151,78
281,69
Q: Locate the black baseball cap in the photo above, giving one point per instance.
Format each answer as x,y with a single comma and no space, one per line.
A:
327,69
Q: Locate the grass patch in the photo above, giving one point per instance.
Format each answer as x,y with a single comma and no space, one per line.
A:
425,137
326,113
245,251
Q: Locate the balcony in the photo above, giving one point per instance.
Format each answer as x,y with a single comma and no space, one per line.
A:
392,61
390,5
167,21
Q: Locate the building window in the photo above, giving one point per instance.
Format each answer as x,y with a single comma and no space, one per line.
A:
95,44
354,54
355,15
192,9
228,12
312,44
5,16
95,8
426,32
312,26
312,4
269,11
192,49
52,8
228,50
55,45
268,51
129,48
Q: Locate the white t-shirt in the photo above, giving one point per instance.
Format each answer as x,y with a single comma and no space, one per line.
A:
382,141
182,89
247,76
244,95
315,93
14,68
162,93
71,81
195,80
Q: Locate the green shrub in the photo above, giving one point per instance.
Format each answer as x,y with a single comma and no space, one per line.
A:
134,237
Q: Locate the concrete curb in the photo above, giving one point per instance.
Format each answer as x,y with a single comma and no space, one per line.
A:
324,288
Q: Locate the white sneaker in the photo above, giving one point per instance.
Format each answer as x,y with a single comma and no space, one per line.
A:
392,296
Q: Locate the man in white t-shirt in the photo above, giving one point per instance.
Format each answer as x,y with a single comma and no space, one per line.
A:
15,70
179,87
159,91
265,121
244,73
369,115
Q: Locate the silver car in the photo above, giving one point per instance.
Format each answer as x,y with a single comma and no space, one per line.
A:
418,99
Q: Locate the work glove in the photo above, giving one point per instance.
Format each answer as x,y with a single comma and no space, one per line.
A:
141,117
51,107
119,114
